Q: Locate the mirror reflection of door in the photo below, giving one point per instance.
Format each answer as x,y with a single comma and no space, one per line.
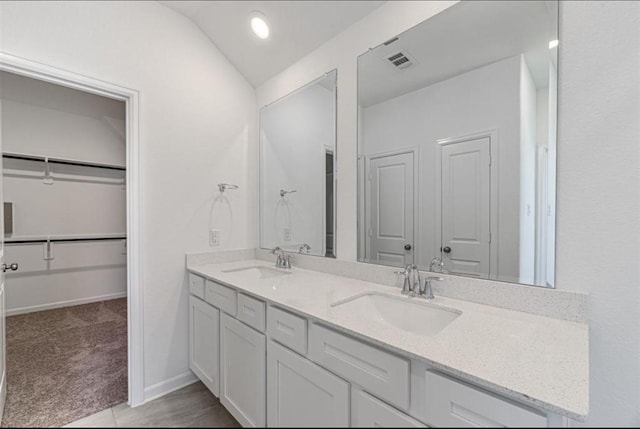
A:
478,70
391,209
465,207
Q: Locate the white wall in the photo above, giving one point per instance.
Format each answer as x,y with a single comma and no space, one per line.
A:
484,99
527,233
47,119
598,235
197,129
598,174
295,132
552,177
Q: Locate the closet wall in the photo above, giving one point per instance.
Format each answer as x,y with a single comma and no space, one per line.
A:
81,202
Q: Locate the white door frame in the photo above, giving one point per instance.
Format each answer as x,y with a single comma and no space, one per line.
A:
493,198
415,151
131,97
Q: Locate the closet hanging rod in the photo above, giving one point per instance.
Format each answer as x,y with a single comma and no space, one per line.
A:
62,161
61,240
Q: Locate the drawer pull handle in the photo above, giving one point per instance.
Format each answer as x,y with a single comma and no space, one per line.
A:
285,329
356,362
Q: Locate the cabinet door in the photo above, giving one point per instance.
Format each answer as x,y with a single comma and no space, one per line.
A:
242,371
302,394
369,412
204,324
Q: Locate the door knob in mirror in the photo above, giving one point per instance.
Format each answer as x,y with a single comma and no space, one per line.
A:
12,267
407,247
446,249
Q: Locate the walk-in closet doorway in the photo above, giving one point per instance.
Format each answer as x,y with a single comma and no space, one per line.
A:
129,242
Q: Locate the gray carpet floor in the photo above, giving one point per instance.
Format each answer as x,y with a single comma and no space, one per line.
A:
65,364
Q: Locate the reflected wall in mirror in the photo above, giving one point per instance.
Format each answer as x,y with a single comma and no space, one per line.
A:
297,170
457,143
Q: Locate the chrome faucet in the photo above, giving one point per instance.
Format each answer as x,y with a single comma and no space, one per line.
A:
282,260
426,290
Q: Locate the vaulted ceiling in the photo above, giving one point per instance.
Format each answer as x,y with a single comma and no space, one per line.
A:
297,28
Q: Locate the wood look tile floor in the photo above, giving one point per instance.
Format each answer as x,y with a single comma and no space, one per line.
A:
191,406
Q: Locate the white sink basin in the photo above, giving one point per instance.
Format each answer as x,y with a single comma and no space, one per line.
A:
259,271
408,314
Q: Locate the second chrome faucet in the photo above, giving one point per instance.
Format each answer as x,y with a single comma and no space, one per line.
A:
282,259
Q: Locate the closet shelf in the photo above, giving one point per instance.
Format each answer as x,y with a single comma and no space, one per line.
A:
28,239
26,157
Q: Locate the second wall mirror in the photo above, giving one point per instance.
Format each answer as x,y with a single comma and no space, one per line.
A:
457,143
297,170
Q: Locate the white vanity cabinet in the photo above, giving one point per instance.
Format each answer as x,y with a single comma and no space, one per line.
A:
276,367
204,325
243,371
302,394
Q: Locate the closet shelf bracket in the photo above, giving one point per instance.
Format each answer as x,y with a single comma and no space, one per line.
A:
48,178
48,250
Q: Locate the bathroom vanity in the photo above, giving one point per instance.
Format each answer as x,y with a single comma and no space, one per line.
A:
307,348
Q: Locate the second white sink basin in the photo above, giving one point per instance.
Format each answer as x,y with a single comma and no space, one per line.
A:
260,271
408,314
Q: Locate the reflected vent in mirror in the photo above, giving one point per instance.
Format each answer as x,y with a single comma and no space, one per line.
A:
401,60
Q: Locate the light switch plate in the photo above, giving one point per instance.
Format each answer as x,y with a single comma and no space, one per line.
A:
214,238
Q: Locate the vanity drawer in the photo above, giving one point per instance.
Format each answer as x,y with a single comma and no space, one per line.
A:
369,412
196,285
381,373
452,403
223,297
287,329
251,311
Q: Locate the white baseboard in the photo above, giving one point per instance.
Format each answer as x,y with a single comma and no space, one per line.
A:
60,304
167,386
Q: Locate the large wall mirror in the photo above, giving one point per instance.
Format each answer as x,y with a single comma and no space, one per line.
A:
297,170
457,143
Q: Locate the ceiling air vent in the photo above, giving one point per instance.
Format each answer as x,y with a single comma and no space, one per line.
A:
401,60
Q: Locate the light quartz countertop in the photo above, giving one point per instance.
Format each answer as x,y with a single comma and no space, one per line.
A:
538,360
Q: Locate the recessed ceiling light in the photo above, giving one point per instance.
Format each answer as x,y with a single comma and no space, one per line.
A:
553,44
259,25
